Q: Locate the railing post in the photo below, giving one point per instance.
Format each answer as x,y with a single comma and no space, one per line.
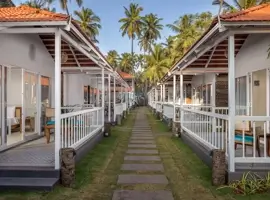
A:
57,97
231,85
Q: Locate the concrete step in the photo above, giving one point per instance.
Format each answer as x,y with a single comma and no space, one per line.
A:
144,146
27,184
142,158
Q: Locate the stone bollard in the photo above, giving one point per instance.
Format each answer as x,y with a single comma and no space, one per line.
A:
118,120
67,156
218,167
107,130
176,128
170,121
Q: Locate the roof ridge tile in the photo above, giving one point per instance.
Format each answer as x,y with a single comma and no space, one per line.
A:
244,12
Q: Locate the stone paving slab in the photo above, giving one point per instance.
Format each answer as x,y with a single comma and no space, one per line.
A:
143,167
134,141
141,151
142,179
142,134
142,195
142,158
141,138
146,146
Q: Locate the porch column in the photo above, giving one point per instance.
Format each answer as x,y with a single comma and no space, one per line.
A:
174,91
181,99
103,96
109,93
65,89
231,86
114,99
97,95
213,103
121,93
164,93
161,93
57,96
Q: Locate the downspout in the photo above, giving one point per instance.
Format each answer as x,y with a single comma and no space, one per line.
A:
220,26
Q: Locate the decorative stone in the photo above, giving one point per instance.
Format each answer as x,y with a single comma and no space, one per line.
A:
67,156
218,167
118,120
176,127
107,130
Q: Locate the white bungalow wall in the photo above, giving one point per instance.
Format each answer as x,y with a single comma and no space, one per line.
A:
28,52
253,58
75,88
199,80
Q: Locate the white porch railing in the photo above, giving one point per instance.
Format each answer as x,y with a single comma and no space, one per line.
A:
118,109
253,138
207,127
159,106
168,110
78,126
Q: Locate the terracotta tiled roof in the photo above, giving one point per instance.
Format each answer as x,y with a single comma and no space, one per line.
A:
257,13
125,75
26,13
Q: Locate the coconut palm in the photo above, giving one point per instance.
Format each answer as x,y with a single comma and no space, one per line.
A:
238,5
64,4
150,31
126,62
132,23
40,4
89,22
6,3
113,59
157,63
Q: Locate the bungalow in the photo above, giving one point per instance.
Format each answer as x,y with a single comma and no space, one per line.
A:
46,61
218,93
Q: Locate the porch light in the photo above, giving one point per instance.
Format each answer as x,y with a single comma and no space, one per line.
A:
64,57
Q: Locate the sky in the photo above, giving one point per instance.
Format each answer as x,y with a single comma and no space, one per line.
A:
110,11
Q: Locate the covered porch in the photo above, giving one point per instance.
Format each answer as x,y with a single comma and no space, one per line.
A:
217,95
53,62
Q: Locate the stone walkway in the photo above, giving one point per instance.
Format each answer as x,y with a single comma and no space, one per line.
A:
142,152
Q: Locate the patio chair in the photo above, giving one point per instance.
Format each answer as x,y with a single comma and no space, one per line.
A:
49,123
248,135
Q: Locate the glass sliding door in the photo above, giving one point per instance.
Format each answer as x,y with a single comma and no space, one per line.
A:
31,99
45,99
241,96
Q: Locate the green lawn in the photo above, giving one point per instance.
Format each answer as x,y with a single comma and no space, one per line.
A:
96,174
189,177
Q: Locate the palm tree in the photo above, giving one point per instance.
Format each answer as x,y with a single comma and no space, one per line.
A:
40,4
132,23
113,59
64,4
157,62
89,22
126,62
6,3
238,5
150,31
